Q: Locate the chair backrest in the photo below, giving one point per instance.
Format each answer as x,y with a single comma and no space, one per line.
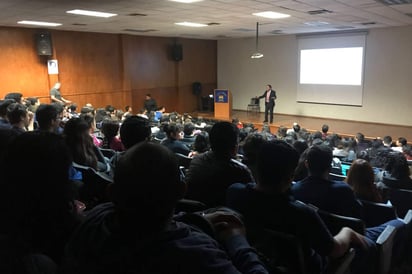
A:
341,265
385,244
183,160
189,206
107,152
374,214
336,222
254,101
336,177
401,199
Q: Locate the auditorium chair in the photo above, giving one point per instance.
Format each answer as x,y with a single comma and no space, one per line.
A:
374,214
253,106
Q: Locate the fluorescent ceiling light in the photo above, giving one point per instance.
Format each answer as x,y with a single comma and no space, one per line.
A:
186,1
39,23
91,13
271,14
190,24
256,55
316,23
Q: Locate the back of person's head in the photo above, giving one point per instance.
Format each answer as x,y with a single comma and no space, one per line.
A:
319,159
16,96
282,130
300,146
188,128
276,163
296,127
16,112
251,146
4,104
360,137
45,115
201,143
147,186
134,129
397,165
224,138
387,140
110,128
36,195
402,141
360,175
172,130
325,128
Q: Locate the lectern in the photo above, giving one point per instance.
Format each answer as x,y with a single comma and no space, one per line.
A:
223,104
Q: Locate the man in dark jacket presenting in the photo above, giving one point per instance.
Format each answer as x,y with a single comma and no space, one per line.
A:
270,97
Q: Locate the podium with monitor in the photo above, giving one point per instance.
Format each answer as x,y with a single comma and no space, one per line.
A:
223,104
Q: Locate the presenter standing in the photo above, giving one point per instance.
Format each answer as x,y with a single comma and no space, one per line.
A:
270,97
56,96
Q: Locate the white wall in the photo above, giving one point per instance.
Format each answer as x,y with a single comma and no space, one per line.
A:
387,93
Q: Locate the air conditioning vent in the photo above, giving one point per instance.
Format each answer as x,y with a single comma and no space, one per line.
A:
394,2
140,30
322,11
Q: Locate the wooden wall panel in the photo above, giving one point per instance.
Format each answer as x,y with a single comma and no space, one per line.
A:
22,69
104,69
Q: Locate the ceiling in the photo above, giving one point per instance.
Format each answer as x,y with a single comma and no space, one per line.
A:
226,18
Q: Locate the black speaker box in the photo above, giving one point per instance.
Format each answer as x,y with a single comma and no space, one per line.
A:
177,52
44,44
197,88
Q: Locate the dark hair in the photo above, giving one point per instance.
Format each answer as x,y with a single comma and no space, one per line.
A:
223,137
276,163
133,130
325,128
147,186
201,143
15,112
45,114
319,159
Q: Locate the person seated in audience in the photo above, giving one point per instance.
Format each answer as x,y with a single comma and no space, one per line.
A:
158,114
212,172
110,131
128,112
396,173
189,134
80,143
36,203
281,133
325,129
48,117
361,178
400,143
333,196
173,139
251,147
267,204
135,233
361,143
387,141
19,117
89,117
4,121
201,144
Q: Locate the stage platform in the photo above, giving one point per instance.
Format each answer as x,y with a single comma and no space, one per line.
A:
342,127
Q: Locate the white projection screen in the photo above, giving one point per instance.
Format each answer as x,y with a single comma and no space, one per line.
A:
330,68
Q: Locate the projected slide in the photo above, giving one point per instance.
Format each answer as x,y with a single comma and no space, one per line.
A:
331,69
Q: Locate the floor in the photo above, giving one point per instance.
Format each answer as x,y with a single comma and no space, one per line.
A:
341,127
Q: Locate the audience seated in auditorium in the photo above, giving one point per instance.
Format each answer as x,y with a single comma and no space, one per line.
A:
189,134
400,143
136,233
387,141
36,203
110,131
212,172
48,117
80,143
267,204
173,139
325,129
361,143
19,117
396,173
4,121
333,196
201,144
361,178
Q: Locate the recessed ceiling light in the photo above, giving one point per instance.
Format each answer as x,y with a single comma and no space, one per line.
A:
39,23
190,24
316,23
271,14
91,13
186,1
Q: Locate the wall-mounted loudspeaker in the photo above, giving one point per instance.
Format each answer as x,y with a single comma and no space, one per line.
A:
44,44
177,52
